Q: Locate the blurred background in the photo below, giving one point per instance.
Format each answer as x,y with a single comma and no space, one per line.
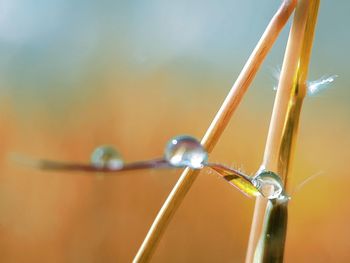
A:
78,74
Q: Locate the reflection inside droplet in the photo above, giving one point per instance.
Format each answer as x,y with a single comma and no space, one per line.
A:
269,184
106,156
182,151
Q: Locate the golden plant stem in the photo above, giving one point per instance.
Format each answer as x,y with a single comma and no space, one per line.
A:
215,130
282,134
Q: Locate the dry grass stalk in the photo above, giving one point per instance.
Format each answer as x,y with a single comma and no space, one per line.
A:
216,128
264,245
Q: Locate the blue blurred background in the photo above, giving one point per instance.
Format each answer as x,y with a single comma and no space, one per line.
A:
78,74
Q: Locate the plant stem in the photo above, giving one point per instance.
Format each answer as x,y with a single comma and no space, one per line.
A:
215,129
269,227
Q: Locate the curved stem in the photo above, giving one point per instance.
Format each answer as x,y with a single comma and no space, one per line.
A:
241,181
51,165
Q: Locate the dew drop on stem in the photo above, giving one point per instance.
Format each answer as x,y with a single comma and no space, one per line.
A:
268,184
182,151
106,156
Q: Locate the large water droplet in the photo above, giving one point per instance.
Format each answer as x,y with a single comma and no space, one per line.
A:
106,156
182,151
269,184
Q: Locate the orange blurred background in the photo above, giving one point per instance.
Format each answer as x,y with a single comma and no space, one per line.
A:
77,75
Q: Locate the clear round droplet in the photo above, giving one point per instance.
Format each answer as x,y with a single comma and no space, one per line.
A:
106,156
182,151
268,184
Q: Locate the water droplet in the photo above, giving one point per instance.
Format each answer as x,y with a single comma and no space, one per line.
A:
269,184
106,156
182,151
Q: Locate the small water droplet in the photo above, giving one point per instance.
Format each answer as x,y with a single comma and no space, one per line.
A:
182,151
106,156
269,184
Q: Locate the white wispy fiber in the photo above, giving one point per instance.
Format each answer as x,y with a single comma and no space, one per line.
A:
313,87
